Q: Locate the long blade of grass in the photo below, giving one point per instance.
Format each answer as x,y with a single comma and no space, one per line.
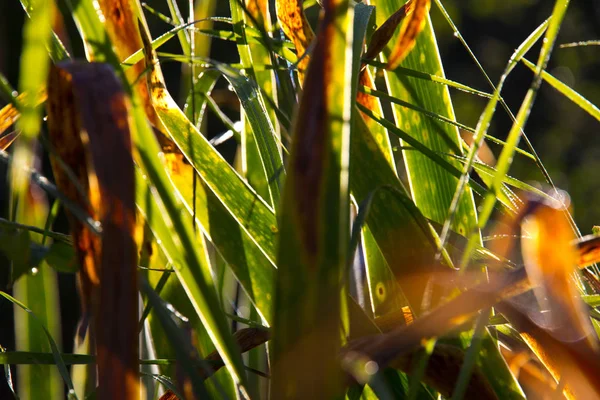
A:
34,64
296,27
432,188
568,92
253,57
186,354
412,25
384,293
187,253
56,49
506,157
38,287
56,354
536,158
263,132
234,206
484,122
315,220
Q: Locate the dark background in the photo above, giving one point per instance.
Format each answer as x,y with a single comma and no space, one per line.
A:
566,138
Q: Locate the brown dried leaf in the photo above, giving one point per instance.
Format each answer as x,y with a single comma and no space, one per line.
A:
7,139
412,25
384,33
89,129
295,25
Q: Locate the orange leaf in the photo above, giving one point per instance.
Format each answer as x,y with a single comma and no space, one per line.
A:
122,27
88,125
295,25
551,262
411,26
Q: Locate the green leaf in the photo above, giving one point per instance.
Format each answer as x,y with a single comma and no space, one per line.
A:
263,132
229,211
186,354
56,355
314,221
432,187
258,147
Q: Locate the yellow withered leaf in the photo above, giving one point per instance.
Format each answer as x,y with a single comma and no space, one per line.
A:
88,121
9,116
259,10
412,25
295,25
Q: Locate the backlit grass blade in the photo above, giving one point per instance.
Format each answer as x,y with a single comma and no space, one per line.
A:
184,36
224,202
187,253
373,176
506,157
173,293
484,123
34,64
195,108
263,135
314,221
412,25
56,354
432,188
431,185
253,57
568,92
38,287
56,49
186,354
222,193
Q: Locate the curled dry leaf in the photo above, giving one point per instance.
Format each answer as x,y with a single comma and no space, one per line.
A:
412,25
295,25
88,124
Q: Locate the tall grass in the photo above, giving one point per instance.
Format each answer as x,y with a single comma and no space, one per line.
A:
339,254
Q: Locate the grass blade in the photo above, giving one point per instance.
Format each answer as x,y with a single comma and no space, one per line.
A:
56,355
38,287
314,221
568,92
188,252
